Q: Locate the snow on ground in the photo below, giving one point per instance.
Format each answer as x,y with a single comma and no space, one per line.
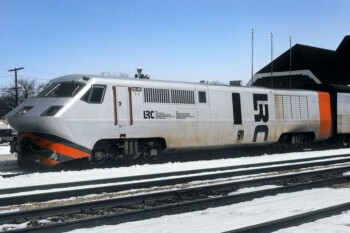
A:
253,189
217,219
4,149
243,214
70,176
338,223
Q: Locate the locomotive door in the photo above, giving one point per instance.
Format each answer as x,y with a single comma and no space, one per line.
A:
122,106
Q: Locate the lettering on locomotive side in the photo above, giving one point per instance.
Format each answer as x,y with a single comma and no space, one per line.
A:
148,114
151,114
261,129
260,105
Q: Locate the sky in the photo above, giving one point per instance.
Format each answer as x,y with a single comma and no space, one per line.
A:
180,40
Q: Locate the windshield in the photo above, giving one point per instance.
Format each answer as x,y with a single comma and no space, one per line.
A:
63,89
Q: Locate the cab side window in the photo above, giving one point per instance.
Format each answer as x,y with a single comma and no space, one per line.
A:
202,97
95,94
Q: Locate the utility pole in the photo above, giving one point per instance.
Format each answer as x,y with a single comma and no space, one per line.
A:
16,88
290,62
271,60
252,57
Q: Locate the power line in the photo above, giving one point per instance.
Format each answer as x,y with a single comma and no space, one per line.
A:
43,72
23,76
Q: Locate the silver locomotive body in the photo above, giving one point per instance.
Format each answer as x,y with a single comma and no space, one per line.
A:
103,118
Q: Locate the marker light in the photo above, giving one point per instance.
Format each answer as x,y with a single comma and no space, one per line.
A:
51,111
24,111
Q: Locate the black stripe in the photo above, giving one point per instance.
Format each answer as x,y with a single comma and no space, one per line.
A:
237,112
61,141
63,158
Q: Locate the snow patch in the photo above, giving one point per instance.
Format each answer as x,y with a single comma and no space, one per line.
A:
242,214
338,223
101,173
4,150
253,189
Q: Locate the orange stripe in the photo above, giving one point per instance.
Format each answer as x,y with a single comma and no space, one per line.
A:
46,161
54,146
325,115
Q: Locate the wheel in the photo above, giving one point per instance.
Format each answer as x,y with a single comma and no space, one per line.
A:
23,154
346,141
97,156
21,161
151,154
280,145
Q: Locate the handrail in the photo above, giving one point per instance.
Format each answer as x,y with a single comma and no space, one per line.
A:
115,105
130,107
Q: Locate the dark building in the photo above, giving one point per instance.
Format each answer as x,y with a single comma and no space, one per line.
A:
310,65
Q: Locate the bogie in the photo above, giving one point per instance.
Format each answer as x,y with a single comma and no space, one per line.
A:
127,149
295,139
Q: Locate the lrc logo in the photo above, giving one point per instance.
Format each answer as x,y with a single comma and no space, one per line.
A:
148,114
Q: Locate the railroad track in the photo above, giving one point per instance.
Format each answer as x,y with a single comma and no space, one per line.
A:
9,175
332,175
162,179
294,220
17,172
132,208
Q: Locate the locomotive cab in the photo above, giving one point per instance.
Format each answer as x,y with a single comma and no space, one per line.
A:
40,122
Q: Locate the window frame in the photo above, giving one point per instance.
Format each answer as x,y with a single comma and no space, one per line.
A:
90,91
205,96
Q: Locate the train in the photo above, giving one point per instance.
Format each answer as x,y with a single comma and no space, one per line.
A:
105,118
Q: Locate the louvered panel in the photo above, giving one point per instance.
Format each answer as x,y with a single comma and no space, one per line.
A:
295,107
304,108
287,107
278,107
153,95
182,97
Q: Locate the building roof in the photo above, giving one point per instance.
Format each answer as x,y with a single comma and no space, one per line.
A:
344,46
331,67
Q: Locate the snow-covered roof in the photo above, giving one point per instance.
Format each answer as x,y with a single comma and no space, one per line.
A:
3,125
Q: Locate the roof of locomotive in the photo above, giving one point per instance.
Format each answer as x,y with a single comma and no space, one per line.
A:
112,79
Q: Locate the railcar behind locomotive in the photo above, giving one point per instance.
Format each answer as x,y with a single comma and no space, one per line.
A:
103,118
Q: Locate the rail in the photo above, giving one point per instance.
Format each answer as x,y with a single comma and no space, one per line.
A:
189,172
294,220
152,205
20,199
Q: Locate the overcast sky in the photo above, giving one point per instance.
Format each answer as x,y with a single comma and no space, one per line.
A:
187,40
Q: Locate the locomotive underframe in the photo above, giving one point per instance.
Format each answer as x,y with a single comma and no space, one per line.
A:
30,152
127,149
295,139
343,140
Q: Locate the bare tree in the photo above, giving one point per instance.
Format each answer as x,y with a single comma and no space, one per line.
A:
26,88
123,75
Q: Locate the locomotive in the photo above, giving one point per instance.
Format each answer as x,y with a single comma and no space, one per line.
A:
101,118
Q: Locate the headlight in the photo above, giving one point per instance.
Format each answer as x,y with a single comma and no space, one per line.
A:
51,111
24,111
